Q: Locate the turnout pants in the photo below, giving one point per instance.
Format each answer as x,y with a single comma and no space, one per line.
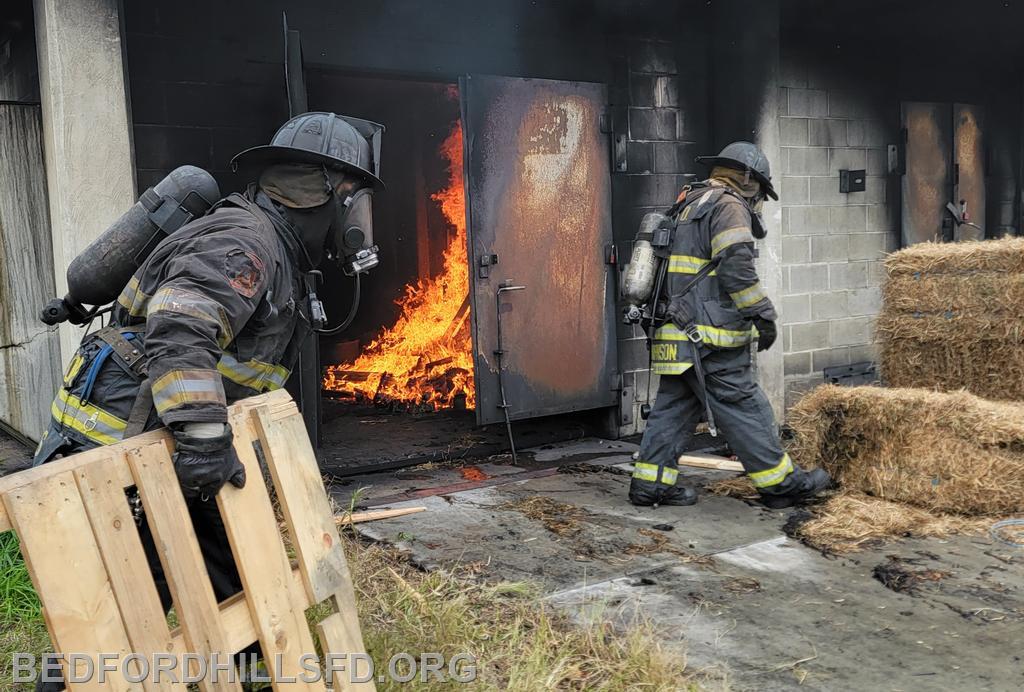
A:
742,413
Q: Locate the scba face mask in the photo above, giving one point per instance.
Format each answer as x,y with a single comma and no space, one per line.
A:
351,237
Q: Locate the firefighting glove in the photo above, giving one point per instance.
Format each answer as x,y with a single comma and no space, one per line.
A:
205,460
680,312
766,333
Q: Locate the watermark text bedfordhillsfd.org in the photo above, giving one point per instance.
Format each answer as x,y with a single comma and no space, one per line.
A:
194,668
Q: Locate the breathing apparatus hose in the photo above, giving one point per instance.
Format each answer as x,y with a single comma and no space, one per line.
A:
351,311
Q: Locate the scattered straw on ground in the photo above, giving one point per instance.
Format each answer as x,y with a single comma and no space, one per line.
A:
660,543
953,317
559,518
519,643
851,521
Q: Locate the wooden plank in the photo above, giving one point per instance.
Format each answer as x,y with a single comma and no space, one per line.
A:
102,489
300,491
169,520
335,632
264,568
376,515
279,403
307,511
63,560
710,462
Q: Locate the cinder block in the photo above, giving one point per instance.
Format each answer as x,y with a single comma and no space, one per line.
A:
639,157
654,190
633,354
793,131
881,217
868,353
652,57
642,90
876,272
866,133
166,148
804,220
674,157
807,278
876,161
825,192
847,104
829,305
875,190
653,124
666,91
852,219
794,309
829,248
845,159
794,190
830,357
792,72
848,275
853,331
865,301
796,249
805,161
827,133
810,336
808,102
867,246
796,364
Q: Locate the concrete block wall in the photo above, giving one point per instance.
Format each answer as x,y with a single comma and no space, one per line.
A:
661,134
833,242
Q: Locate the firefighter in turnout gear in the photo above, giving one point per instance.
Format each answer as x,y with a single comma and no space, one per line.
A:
701,346
218,312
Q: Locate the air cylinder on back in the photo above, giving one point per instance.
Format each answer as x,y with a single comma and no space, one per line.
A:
100,272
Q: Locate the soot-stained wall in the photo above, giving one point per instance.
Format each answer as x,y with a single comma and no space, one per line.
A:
207,81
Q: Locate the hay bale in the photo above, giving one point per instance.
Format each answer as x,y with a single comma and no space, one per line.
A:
953,318
948,452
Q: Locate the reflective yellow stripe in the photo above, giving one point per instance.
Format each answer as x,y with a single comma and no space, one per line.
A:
253,374
714,336
685,264
649,472
670,368
132,299
731,236
91,421
179,387
73,369
774,475
751,295
182,302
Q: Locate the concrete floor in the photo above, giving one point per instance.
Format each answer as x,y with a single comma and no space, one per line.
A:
765,612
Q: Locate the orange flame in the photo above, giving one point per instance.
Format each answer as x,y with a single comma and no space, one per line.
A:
426,358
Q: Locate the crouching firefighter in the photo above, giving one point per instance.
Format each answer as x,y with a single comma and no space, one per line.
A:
217,310
704,307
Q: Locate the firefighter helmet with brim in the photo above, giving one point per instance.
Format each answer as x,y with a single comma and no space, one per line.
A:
335,141
745,156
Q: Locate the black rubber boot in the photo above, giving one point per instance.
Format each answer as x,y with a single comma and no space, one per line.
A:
648,493
805,486
678,496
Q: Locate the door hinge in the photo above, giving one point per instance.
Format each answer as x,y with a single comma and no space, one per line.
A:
486,262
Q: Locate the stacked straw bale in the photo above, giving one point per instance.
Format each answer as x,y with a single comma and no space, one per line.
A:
952,453
953,318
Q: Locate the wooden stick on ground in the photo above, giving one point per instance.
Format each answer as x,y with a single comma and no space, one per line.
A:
710,461
376,515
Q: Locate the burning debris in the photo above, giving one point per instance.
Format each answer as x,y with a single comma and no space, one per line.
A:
425,359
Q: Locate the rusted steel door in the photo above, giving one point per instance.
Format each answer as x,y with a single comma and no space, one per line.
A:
945,162
539,187
969,168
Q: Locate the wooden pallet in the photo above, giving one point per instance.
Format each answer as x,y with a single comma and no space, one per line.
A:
87,562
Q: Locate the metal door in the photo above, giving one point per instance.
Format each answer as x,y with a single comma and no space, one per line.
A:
945,163
928,181
969,168
539,215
